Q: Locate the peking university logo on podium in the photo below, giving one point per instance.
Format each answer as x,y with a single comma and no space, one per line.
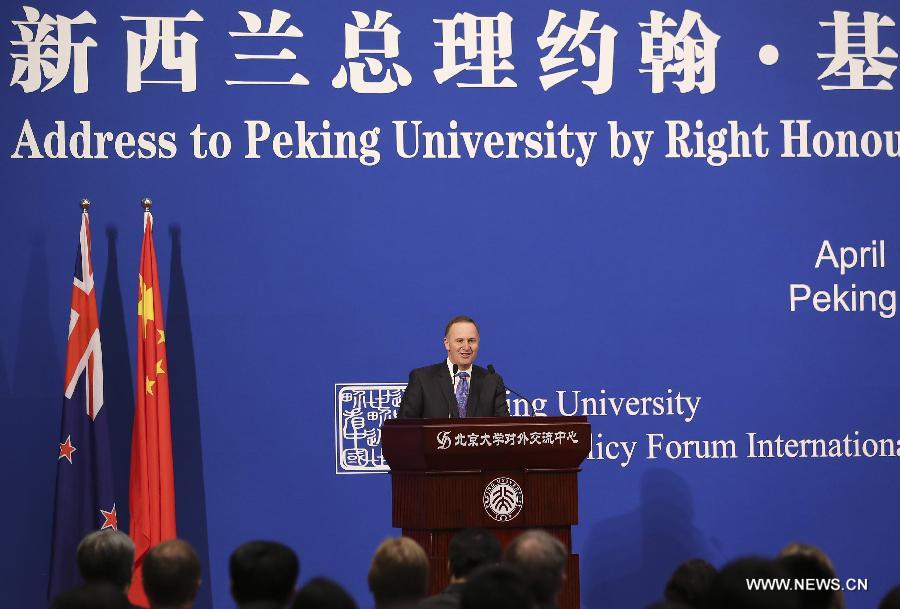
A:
503,499
359,411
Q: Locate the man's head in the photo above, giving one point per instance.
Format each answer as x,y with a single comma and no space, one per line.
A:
804,561
171,574
322,593
263,571
496,587
470,549
891,599
106,556
729,588
541,559
399,573
689,584
461,341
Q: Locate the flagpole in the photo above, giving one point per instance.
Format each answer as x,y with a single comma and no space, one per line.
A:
85,205
146,203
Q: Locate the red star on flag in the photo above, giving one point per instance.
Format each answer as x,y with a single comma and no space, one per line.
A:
111,519
66,449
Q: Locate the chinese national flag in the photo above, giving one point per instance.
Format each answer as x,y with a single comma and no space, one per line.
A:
152,485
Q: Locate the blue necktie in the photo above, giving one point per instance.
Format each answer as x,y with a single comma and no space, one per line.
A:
462,393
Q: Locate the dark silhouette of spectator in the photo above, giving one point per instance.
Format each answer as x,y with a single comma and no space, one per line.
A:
667,605
496,587
891,599
105,559
730,589
322,593
690,583
171,575
398,575
106,556
263,575
469,550
541,559
803,561
92,596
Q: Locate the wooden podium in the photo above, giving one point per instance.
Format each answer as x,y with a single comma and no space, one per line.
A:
505,474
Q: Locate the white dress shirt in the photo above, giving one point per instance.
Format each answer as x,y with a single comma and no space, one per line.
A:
455,378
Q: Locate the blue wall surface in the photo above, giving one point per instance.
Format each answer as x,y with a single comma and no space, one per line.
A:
284,277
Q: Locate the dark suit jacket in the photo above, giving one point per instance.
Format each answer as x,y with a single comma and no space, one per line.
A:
429,394
448,599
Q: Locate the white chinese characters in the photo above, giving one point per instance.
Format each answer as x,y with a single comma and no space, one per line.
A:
486,44
48,52
857,54
277,20
559,38
178,52
693,57
473,51
389,49
445,439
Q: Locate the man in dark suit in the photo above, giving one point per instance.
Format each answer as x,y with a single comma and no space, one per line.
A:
456,387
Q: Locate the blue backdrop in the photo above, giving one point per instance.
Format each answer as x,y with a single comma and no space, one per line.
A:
283,277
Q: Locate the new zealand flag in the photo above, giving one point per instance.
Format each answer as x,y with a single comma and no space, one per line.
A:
84,484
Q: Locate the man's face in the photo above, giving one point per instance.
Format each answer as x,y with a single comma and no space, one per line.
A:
462,344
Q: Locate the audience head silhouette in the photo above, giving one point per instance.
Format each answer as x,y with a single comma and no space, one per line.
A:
171,575
729,589
322,593
471,549
398,575
106,556
804,561
689,584
541,559
891,600
263,572
496,587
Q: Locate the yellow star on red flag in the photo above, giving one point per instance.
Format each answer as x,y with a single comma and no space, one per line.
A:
145,304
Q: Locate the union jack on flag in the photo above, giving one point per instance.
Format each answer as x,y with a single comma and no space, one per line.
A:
84,329
84,483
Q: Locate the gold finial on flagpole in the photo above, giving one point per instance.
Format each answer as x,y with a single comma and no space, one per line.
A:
146,203
85,205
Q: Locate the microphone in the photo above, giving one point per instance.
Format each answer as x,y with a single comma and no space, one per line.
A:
452,384
491,370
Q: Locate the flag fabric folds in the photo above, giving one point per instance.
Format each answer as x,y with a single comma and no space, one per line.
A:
152,483
84,484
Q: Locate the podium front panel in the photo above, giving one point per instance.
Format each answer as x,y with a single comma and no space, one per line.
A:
455,500
507,475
